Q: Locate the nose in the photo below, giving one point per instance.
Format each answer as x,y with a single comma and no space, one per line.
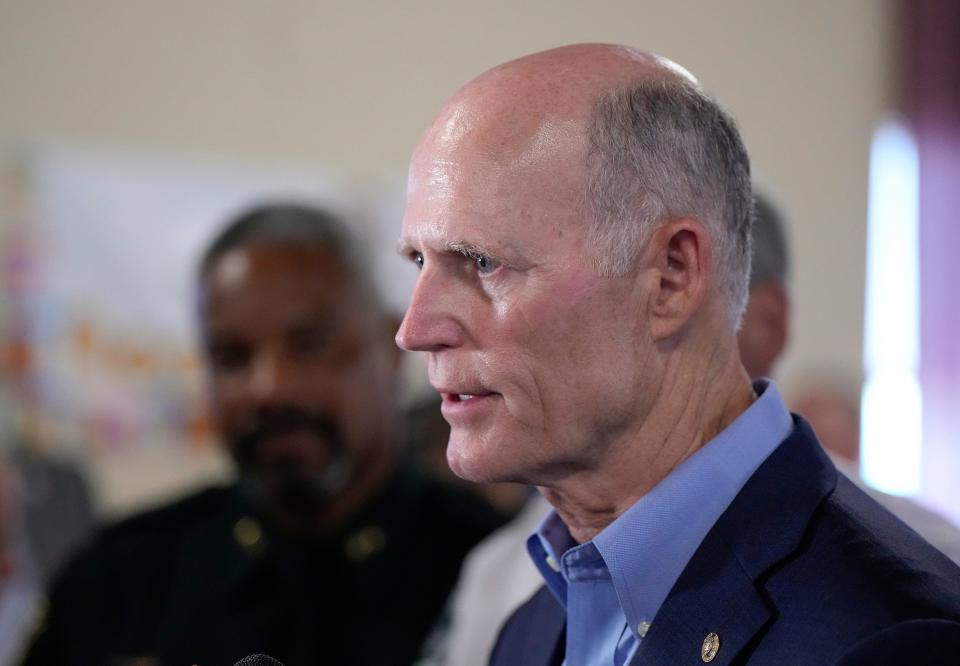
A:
271,378
430,323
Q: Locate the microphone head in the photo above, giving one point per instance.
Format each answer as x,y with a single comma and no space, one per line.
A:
258,660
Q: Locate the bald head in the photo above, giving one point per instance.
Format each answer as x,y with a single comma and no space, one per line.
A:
535,108
626,139
559,84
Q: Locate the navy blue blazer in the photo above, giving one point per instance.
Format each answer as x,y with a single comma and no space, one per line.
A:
802,568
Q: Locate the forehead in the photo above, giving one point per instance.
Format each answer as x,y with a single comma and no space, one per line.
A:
260,283
513,178
260,263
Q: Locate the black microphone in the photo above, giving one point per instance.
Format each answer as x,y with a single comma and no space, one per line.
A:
258,660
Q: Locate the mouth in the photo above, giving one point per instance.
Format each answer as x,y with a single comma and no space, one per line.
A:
464,397
301,469
457,406
285,446
303,446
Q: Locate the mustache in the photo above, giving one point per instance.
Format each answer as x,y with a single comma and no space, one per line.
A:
277,421
290,491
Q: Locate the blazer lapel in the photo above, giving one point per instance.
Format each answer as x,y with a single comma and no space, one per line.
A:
535,635
718,592
713,595
550,634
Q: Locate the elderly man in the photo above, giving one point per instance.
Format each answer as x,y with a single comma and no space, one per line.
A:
581,221
329,549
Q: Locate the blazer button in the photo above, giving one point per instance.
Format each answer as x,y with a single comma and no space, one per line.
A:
710,647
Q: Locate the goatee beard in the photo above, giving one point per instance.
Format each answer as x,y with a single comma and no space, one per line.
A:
284,484
306,495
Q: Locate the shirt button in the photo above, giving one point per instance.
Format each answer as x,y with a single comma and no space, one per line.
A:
643,628
553,564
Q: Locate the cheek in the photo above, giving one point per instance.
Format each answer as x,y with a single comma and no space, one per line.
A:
571,328
551,346
226,402
364,403
579,350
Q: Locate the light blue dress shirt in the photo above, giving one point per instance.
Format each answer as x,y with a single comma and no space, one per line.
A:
613,585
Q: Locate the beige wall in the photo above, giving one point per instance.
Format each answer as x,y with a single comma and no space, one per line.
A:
353,83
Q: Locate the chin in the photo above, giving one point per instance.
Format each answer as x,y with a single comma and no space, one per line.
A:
474,458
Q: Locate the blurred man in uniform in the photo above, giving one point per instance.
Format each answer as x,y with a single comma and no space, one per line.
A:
329,548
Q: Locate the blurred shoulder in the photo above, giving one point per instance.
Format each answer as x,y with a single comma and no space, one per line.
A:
176,515
150,535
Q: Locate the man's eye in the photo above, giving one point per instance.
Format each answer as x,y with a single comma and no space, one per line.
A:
309,340
418,259
485,264
228,357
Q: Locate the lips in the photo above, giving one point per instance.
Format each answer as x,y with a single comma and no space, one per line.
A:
463,397
288,440
461,405
463,393
303,445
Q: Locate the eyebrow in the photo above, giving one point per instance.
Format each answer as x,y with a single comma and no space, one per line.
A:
511,257
465,248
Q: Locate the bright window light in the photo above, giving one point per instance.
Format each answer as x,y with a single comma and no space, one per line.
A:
891,440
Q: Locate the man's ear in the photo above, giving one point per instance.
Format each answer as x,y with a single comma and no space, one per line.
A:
681,254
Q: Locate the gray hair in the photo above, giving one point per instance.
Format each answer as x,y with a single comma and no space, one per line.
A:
771,250
663,149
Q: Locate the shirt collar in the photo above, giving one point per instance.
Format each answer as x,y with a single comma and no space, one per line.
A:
647,547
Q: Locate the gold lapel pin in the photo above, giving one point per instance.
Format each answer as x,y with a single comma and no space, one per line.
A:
710,647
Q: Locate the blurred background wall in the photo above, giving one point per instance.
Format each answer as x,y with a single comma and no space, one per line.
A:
344,89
